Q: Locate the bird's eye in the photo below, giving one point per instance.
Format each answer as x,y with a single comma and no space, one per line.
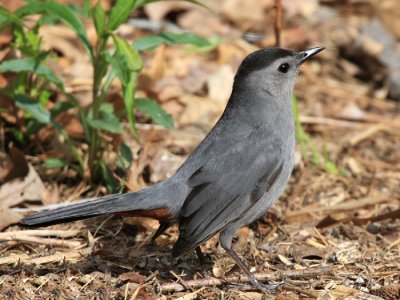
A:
283,68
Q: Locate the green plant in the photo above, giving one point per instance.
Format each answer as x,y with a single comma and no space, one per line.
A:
124,63
307,146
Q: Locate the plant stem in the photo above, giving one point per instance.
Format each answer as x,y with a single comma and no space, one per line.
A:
96,101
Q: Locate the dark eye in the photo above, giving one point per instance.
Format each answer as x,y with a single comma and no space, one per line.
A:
283,68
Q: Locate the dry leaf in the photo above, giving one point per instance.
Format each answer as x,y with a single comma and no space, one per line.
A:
164,165
201,111
17,168
18,190
285,260
245,14
132,277
220,83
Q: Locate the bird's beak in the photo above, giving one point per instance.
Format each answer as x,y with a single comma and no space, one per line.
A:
305,55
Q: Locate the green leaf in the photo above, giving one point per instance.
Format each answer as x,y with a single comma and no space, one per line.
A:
150,42
59,107
68,17
99,18
102,66
107,121
112,184
29,65
18,135
330,167
33,108
33,127
212,44
151,108
8,17
126,154
86,8
33,40
53,163
120,13
62,12
131,55
129,101
32,8
119,67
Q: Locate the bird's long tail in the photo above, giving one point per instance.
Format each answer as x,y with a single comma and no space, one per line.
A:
159,201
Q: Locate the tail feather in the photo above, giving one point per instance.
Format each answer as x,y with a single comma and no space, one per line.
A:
154,197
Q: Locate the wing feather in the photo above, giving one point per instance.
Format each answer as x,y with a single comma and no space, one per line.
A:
226,187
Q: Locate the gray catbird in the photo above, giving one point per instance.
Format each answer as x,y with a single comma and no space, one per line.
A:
236,173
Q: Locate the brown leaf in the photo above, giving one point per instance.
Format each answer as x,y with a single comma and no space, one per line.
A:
301,251
164,165
19,166
190,21
52,195
132,277
8,217
16,191
245,14
158,10
71,125
220,84
200,111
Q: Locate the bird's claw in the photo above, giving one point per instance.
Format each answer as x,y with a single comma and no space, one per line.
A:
270,288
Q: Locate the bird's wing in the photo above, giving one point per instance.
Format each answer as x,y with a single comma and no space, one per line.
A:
227,186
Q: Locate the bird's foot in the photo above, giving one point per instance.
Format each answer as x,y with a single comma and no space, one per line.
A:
270,288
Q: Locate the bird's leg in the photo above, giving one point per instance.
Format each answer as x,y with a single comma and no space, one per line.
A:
163,226
253,280
202,260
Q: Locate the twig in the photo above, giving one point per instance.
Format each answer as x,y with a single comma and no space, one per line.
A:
181,281
136,292
126,291
388,125
45,241
46,281
57,257
344,206
57,233
101,225
366,134
87,283
238,279
278,22
332,122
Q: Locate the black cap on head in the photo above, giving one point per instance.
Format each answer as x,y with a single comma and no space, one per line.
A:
262,58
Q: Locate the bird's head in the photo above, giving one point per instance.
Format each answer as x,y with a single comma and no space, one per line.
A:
272,70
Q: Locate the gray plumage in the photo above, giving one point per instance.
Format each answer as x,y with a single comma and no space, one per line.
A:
237,172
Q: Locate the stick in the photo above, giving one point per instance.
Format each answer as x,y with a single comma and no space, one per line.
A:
45,241
57,257
238,279
343,206
278,22
57,233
